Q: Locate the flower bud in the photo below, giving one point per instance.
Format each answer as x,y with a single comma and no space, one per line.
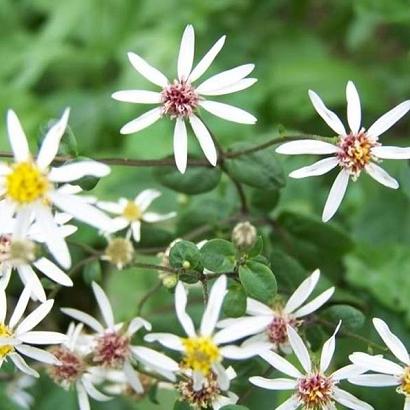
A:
119,252
170,281
22,251
244,235
186,265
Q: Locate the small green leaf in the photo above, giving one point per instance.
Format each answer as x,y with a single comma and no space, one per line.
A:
256,249
218,255
185,255
235,301
351,317
258,281
264,200
287,269
92,272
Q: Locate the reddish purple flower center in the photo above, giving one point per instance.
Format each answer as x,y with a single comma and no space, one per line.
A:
277,331
112,349
5,244
315,391
71,369
179,99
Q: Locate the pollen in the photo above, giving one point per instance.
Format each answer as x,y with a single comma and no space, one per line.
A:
26,183
179,99
277,329
200,354
315,391
132,212
112,349
5,349
405,382
70,369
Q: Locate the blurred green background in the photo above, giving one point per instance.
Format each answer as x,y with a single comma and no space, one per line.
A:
73,53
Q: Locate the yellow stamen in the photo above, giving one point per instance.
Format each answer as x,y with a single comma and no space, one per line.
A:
5,349
200,354
132,211
26,183
405,382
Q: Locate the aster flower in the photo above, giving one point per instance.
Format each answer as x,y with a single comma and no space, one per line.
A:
202,350
18,251
18,336
269,324
314,387
180,99
16,391
73,370
29,186
388,372
132,213
112,347
354,151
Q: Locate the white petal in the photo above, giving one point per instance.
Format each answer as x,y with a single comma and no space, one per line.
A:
166,339
222,376
136,324
354,110
186,53
318,168
388,152
3,305
256,308
389,119
49,147
37,354
43,338
22,365
180,145
141,122
224,79
204,138
207,60
153,217
146,70
198,380
112,207
336,195
242,327
328,350
85,318
228,112
138,96
376,363
281,364
300,349
22,223
7,209
17,137
303,291
392,341
28,276
53,272
315,304
301,147
35,317
92,391
346,372
104,305
274,384
331,119
132,378
238,86
350,401
290,404
82,395
180,306
145,198
213,307
375,380
154,359
407,404
136,230
76,170
245,351
381,176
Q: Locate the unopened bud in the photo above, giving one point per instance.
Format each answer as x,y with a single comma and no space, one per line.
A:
119,252
170,281
22,251
186,264
244,235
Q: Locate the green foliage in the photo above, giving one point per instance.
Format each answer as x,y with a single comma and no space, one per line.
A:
235,301
351,317
185,255
92,272
218,256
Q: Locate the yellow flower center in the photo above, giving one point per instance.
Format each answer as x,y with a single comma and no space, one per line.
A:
200,354
132,211
5,332
405,382
26,183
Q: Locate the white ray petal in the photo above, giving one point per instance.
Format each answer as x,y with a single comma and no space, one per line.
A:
7,209
53,272
83,401
181,300
274,384
300,349
389,119
315,304
388,152
35,317
3,305
28,276
37,354
204,138
348,371
331,119
143,121
138,96
350,401
238,86
375,380
76,170
207,60
92,391
136,324
145,198
153,217
222,376
381,176
186,53
85,318
132,378
43,338
136,230
112,207
146,70
376,363
104,305
318,168
180,145
256,308
245,351
336,194
51,143
228,112
354,110
328,350
301,147
281,364
154,359
290,404
166,339
20,307
17,138
20,363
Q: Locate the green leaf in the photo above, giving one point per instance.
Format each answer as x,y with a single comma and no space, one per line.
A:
153,236
88,182
260,169
218,256
351,317
315,336
181,405
258,281
185,255
234,407
235,301
256,249
196,180
264,200
92,272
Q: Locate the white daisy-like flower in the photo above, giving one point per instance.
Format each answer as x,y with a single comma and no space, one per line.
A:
202,350
133,212
112,346
18,251
180,99
33,186
17,337
314,387
269,324
354,151
387,372
16,391
72,369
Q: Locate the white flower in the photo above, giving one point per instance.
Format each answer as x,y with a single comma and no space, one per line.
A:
16,391
202,350
72,368
32,186
388,373
270,324
112,343
18,251
132,213
354,152
312,388
180,99
17,336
